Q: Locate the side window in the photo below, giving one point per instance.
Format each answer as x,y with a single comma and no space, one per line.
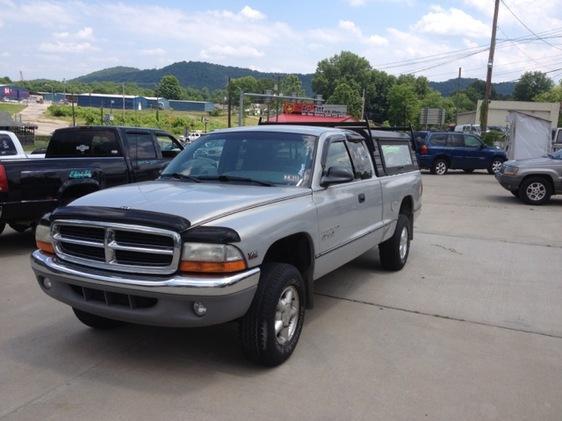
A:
7,147
167,145
337,156
456,141
361,160
141,146
439,139
559,137
471,141
396,155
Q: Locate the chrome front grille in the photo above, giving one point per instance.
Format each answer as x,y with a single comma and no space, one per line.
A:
119,247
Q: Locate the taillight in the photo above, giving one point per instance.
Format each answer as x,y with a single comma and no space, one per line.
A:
424,150
3,179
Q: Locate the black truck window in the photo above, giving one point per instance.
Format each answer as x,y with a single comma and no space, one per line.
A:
141,146
7,147
98,143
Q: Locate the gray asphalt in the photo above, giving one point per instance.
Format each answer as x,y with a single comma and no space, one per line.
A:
471,329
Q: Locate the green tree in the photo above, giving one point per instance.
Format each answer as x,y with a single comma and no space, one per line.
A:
169,87
245,84
376,95
347,95
404,105
531,85
344,67
291,84
476,90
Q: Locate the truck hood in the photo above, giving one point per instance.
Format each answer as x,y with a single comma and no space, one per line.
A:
531,162
197,202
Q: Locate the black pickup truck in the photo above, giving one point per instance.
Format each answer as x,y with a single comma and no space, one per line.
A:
79,161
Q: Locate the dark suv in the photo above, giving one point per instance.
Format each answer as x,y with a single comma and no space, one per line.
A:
441,151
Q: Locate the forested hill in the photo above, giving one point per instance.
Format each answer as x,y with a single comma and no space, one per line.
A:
194,74
449,87
214,76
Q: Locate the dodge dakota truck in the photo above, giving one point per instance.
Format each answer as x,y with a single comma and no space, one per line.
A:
78,161
238,227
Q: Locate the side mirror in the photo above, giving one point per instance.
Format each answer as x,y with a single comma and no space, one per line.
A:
336,175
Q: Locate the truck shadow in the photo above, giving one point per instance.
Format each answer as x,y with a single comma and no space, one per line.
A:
13,243
509,199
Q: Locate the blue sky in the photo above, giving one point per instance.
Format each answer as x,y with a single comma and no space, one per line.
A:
64,39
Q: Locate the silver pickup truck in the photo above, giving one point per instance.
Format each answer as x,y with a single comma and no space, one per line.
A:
238,227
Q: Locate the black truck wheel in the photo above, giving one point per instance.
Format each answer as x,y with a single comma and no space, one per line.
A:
270,330
96,322
439,167
495,166
394,252
2,226
535,191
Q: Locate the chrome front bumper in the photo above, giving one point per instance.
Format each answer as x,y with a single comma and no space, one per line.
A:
225,297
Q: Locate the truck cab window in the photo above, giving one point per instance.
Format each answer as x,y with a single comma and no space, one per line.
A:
361,160
168,146
338,156
141,146
7,147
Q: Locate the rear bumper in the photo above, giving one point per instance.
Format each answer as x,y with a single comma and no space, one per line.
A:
150,300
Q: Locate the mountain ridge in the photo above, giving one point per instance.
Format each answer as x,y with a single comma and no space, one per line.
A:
197,74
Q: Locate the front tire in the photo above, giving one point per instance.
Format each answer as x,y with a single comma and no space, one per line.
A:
535,191
96,322
495,166
439,167
271,328
394,252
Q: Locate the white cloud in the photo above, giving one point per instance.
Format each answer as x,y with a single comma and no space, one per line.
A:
377,40
85,33
61,47
452,22
250,13
350,26
222,51
153,52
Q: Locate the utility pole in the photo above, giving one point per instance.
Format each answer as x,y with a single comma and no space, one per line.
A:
458,91
488,91
229,106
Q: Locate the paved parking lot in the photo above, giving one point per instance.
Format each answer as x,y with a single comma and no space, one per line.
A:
471,329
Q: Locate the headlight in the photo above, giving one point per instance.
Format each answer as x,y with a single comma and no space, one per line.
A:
211,258
43,238
509,170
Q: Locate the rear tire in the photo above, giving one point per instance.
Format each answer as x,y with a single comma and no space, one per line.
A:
96,322
439,167
495,166
394,252
271,328
535,191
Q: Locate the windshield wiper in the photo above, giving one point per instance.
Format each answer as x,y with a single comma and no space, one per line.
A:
180,176
228,178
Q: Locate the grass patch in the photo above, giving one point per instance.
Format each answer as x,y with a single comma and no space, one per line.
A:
169,120
12,108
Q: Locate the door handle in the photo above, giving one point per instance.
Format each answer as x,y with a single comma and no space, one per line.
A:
361,197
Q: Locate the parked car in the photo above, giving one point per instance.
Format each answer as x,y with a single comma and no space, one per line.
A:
242,237
11,148
441,151
534,181
78,161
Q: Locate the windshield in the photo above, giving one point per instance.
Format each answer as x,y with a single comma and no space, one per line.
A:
267,158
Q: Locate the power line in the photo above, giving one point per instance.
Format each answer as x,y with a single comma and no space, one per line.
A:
527,28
